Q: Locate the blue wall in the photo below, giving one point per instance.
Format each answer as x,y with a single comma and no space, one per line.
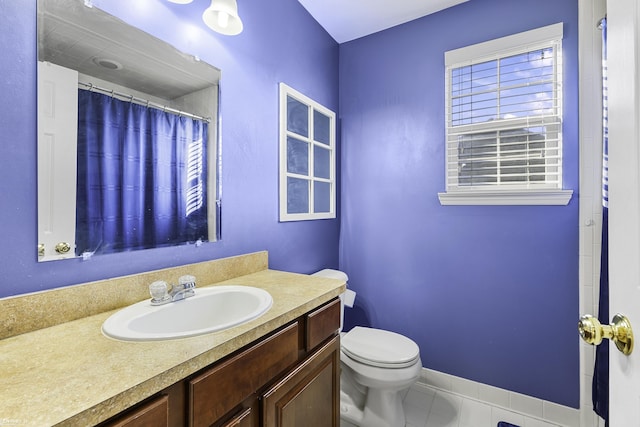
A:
281,42
489,293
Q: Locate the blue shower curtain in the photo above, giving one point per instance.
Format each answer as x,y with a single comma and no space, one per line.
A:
600,386
141,176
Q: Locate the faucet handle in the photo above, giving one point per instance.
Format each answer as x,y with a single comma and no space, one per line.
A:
187,281
159,291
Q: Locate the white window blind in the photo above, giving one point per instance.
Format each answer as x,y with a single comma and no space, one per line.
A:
504,114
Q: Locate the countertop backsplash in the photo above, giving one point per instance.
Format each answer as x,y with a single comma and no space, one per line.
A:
29,312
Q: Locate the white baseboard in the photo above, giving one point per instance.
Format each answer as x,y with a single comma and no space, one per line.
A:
528,406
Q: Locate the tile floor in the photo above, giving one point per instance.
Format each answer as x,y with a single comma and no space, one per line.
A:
428,407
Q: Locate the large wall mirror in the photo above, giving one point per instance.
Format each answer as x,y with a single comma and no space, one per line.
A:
128,141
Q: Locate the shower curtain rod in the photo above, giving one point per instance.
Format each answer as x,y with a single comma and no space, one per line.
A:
143,102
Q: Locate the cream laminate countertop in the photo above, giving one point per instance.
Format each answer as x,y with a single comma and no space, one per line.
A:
72,375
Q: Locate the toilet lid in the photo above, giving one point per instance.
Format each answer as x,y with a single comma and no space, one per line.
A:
376,347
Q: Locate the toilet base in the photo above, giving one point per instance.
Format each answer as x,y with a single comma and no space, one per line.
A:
350,413
371,396
382,409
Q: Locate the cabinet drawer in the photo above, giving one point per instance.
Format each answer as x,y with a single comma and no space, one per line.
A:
152,414
322,323
220,389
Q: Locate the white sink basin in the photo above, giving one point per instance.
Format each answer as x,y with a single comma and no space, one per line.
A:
211,309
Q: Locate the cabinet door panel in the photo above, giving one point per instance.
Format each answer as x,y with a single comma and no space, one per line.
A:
310,395
221,388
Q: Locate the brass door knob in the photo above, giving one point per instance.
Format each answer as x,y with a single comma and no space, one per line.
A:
593,332
63,247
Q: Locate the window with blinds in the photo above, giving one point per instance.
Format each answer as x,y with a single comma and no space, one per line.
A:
504,114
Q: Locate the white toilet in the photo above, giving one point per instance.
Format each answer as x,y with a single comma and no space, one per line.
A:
377,366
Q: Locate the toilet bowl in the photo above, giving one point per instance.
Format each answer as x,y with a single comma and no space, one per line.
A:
376,367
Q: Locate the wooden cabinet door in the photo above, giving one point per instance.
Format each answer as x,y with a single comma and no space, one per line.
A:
309,395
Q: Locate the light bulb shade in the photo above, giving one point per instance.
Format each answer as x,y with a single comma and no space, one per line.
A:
222,17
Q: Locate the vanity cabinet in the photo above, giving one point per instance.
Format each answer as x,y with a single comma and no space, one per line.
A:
288,378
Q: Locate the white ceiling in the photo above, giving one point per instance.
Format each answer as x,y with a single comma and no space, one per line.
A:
348,20
73,31
81,38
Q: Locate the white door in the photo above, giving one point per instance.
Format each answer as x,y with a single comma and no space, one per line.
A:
57,154
624,202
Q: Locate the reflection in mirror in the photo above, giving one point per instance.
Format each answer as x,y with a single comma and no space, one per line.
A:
128,146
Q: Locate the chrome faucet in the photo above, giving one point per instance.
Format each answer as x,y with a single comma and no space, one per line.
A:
161,293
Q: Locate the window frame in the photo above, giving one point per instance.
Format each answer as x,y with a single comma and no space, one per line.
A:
528,193
286,92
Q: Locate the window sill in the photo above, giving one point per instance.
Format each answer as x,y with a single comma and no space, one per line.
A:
527,197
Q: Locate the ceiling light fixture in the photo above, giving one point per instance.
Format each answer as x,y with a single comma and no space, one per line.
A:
222,16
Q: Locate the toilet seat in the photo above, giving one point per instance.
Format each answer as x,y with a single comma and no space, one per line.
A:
376,347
